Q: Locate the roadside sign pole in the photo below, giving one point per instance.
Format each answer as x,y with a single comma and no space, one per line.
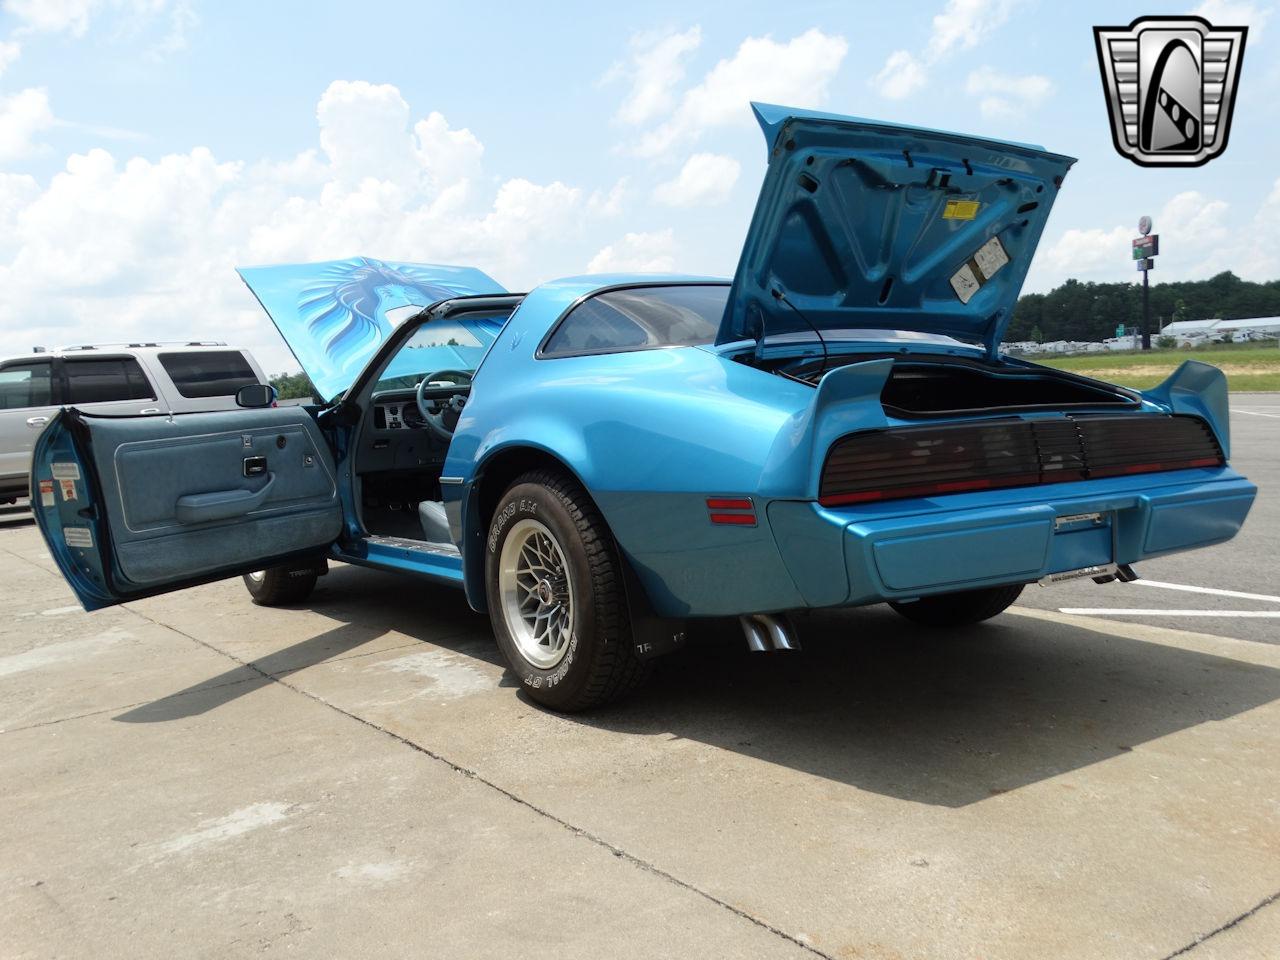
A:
1146,311
1144,248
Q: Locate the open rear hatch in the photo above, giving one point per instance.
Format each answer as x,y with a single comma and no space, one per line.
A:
865,230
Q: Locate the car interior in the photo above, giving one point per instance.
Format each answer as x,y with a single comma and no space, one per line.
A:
410,407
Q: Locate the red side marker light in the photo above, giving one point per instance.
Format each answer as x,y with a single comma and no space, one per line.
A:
733,511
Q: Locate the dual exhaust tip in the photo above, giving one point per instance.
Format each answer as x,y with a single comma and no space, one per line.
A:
769,631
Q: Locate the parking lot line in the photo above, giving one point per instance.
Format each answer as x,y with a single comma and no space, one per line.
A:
1255,413
1213,591
1152,612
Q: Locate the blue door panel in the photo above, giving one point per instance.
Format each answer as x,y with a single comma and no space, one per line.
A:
132,506
153,478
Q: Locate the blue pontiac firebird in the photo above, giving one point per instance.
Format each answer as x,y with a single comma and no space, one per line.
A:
602,459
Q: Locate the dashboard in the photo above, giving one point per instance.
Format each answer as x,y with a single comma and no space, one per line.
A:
395,438
395,435
398,415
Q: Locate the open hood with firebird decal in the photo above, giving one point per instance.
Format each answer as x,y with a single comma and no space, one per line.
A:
335,314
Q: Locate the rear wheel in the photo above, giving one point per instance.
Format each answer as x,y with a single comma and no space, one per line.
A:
287,583
959,609
555,594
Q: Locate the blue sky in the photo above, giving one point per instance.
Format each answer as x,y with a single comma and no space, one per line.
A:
147,146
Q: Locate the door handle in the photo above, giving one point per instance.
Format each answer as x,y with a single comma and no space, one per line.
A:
37,421
147,411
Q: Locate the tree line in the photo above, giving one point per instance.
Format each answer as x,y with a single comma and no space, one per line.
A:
1092,311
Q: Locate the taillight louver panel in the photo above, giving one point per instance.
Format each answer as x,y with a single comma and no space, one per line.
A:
921,461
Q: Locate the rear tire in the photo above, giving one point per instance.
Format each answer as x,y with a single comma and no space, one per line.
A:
959,609
556,598
287,583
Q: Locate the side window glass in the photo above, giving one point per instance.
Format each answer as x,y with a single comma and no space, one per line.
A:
595,325
640,318
208,373
26,385
107,379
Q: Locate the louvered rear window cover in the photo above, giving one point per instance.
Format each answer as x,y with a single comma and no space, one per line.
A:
919,461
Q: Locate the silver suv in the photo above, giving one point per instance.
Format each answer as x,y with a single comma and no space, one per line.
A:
125,379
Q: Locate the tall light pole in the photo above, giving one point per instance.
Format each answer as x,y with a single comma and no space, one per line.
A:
1145,248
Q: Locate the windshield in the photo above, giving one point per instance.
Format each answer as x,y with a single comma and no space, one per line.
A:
445,344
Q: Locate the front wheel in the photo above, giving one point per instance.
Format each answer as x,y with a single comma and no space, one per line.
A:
554,585
287,583
959,609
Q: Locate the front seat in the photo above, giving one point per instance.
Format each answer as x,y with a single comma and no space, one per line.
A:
435,526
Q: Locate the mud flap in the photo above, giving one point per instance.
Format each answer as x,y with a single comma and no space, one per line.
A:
652,636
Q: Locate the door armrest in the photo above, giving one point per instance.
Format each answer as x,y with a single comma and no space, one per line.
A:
221,504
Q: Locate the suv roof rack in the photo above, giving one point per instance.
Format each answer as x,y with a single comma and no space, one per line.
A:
143,343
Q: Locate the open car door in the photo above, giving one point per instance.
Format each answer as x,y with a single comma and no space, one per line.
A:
135,506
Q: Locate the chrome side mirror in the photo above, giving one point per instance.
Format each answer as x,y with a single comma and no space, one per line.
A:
256,395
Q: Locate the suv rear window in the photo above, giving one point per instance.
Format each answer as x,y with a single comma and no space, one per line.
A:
26,385
209,373
640,318
102,380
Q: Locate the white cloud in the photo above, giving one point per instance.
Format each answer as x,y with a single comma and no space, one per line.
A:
705,179
10,50
1192,215
901,76
608,203
1232,13
114,248
23,117
796,72
130,17
17,191
655,69
52,16
1005,94
1196,241
364,131
182,20
1079,253
961,25
1261,258
637,252
448,156
75,16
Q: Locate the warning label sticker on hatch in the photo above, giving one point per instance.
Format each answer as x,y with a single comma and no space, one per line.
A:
46,493
991,257
961,209
65,471
965,283
78,536
981,267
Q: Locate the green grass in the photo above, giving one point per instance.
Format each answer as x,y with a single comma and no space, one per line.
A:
1248,366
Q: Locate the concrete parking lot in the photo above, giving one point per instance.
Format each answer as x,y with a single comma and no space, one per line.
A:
193,776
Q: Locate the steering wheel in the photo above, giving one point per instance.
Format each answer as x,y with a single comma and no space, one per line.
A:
441,404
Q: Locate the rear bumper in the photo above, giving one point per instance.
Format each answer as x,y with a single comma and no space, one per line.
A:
914,548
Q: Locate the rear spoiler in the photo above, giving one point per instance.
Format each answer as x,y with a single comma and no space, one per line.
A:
846,399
